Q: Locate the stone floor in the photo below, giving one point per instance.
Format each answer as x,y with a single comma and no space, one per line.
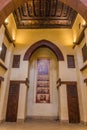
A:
41,125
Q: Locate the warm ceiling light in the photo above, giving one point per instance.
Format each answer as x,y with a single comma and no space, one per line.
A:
0,48
75,43
84,25
13,39
13,36
6,22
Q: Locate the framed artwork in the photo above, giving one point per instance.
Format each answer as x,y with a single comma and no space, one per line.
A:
43,81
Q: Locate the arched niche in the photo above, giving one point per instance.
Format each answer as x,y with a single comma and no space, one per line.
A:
44,43
47,108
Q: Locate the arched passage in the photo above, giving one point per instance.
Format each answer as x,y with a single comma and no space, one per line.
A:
7,6
47,44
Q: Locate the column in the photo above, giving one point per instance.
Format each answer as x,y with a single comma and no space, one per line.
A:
22,104
63,106
5,84
82,88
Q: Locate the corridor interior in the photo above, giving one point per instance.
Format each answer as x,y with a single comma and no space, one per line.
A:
43,68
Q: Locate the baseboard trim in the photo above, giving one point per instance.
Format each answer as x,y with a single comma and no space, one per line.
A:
43,117
20,120
1,121
64,121
84,123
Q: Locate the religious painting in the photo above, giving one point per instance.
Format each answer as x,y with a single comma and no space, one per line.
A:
43,81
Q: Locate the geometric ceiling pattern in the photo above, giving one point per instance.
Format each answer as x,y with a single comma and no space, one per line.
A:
44,14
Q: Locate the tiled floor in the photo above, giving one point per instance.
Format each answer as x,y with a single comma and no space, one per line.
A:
41,125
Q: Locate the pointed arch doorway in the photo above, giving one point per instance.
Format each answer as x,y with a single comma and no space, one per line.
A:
42,99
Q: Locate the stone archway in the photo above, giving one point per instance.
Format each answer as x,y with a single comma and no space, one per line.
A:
7,6
47,44
34,53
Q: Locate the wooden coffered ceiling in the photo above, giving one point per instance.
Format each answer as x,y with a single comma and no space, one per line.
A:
44,14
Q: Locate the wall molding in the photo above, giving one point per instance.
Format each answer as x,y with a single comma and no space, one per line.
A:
26,82
8,35
60,82
80,38
3,66
83,68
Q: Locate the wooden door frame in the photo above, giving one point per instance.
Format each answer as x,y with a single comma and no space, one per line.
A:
18,85
73,83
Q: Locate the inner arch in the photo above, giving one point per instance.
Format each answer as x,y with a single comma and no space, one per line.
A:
47,44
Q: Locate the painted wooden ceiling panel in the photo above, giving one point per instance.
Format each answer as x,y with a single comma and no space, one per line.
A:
44,14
